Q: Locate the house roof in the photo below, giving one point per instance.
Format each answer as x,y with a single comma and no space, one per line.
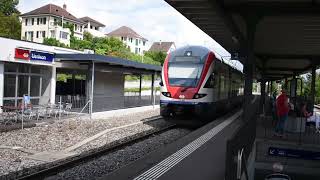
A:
92,21
53,10
114,61
126,32
161,46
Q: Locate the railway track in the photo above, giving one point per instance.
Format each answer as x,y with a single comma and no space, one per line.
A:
80,159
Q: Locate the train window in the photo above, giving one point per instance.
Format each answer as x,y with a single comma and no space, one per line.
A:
222,87
184,74
210,82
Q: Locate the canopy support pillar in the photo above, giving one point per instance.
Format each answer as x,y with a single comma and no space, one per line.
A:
313,86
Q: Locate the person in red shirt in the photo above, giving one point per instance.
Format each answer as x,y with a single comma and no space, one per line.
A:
282,105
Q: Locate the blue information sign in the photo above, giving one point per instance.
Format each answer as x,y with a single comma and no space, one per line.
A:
294,153
41,56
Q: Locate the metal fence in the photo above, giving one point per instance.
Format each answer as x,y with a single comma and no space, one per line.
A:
297,130
240,145
76,101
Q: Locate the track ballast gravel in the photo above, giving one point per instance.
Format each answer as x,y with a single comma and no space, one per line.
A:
108,163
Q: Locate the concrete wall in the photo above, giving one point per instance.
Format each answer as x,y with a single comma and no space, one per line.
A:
108,91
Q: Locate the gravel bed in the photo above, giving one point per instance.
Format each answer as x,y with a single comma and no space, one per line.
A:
122,133
11,160
62,134
57,136
108,163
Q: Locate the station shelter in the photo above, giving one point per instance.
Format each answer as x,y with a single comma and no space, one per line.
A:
42,72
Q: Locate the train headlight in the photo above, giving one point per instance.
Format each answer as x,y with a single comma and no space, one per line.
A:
166,94
197,96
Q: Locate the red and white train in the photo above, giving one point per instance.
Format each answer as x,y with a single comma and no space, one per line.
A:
195,82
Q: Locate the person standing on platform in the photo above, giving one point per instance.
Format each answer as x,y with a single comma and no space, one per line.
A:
282,111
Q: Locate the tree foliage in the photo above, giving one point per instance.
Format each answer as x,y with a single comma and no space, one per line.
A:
10,26
158,56
53,42
109,46
8,7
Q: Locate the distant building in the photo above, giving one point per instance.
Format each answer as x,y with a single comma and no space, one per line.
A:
93,27
165,47
48,22
135,42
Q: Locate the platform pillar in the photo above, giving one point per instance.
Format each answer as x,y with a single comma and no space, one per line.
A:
90,87
1,84
152,88
313,86
249,65
53,82
263,95
285,84
140,86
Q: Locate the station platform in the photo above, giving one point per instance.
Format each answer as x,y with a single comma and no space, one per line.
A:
182,159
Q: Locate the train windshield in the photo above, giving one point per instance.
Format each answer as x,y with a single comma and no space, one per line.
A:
185,73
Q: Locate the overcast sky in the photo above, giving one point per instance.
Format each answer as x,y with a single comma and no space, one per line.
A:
153,19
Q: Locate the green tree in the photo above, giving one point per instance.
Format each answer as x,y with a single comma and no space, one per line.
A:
10,26
8,7
158,56
53,42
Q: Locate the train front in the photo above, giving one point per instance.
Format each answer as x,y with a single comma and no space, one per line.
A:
184,73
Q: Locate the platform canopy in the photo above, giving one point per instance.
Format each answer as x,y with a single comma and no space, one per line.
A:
109,63
286,33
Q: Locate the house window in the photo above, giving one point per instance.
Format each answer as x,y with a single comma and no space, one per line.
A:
38,21
136,42
139,50
80,28
53,33
125,38
130,40
122,38
96,28
63,35
26,22
144,43
29,36
32,21
37,34
25,35
91,27
136,51
139,41
43,34
44,20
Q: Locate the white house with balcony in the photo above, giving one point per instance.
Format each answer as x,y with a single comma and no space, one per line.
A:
93,27
135,42
50,21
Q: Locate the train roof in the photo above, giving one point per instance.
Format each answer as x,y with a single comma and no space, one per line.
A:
195,50
199,51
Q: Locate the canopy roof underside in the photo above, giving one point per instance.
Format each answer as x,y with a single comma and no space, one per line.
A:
286,32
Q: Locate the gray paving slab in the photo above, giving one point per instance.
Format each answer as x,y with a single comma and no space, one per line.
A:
47,156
